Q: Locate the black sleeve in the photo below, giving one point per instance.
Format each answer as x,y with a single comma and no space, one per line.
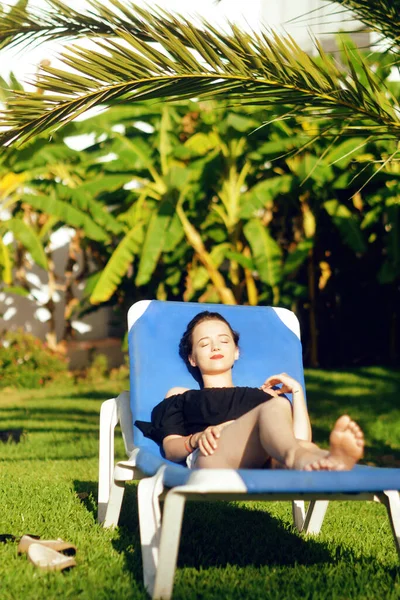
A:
166,419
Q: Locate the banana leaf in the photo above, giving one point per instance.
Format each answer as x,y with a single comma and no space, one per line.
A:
266,253
154,241
68,214
347,224
28,238
5,262
117,266
296,258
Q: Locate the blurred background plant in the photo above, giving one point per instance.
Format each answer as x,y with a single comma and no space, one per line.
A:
26,362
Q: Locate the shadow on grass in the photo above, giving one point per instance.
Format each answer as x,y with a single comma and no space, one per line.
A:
75,393
223,535
93,394
52,412
89,491
217,534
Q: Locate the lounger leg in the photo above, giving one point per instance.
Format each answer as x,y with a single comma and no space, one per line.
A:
149,491
298,512
122,473
169,545
315,516
108,421
391,499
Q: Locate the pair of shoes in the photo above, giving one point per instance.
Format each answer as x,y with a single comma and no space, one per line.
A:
49,555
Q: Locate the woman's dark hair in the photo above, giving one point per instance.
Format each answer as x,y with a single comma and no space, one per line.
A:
186,343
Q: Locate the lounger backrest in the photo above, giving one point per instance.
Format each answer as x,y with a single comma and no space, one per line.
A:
269,343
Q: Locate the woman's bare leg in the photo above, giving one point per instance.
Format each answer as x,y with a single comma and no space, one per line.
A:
264,432
267,432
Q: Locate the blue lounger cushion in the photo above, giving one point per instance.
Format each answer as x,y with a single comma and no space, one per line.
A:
260,481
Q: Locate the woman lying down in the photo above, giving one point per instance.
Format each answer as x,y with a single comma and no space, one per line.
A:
222,426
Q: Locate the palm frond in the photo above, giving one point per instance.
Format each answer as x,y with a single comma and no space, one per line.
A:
22,26
381,16
245,67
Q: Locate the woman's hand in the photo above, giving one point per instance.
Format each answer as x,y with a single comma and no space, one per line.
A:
207,440
289,385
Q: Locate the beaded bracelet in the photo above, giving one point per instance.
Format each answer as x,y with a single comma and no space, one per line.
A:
187,445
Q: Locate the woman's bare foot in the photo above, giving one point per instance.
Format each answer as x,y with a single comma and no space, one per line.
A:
346,447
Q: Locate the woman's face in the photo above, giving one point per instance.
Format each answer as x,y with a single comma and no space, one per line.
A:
214,350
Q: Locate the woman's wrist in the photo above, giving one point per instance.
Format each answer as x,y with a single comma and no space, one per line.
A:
193,441
186,443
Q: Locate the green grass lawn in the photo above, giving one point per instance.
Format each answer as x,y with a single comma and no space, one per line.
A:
228,550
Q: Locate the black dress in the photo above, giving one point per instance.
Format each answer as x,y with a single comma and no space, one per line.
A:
194,410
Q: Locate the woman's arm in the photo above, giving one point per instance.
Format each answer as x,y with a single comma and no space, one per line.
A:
301,420
178,447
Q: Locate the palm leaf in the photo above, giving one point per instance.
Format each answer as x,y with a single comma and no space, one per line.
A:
199,276
20,27
248,67
378,15
28,238
154,241
68,214
82,200
347,225
266,253
296,258
5,262
117,266
16,289
195,240
174,235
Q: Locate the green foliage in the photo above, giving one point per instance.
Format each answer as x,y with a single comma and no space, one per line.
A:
205,202
97,370
266,252
67,214
347,224
24,234
25,362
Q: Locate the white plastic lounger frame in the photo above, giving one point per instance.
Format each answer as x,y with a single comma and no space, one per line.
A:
160,537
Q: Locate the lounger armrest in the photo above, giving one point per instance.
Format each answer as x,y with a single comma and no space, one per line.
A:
125,420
